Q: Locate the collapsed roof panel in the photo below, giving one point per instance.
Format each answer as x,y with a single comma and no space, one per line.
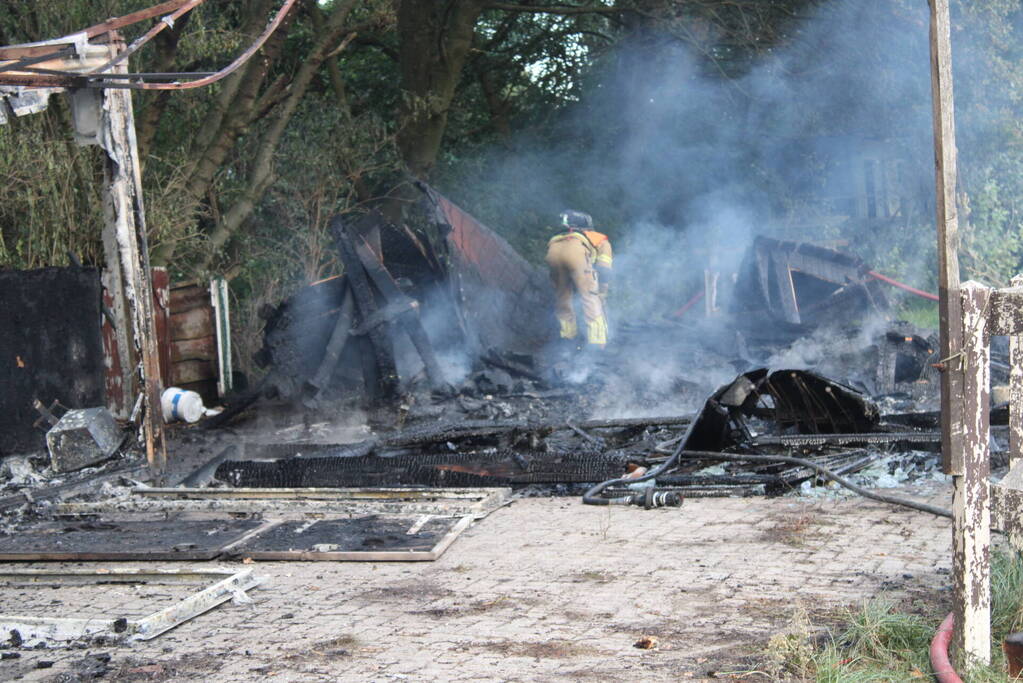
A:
506,299
796,400
802,283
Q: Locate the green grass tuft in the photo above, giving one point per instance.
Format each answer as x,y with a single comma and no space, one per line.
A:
1006,594
919,312
879,643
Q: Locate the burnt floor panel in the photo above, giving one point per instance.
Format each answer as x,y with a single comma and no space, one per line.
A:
350,535
172,539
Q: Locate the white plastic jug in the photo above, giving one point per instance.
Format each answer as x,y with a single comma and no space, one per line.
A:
179,404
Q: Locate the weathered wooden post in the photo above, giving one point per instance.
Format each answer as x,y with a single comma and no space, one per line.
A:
126,228
949,306
965,639
979,505
971,541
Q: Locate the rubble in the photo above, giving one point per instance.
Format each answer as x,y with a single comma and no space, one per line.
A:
450,403
806,284
82,438
18,471
759,412
340,336
49,631
459,393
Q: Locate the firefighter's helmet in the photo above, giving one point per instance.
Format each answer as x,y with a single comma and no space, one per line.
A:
576,219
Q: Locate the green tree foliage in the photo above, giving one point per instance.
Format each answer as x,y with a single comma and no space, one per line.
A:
639,111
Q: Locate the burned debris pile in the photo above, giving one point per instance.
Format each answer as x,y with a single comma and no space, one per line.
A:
420,321
480,454
806,284
408,306
760,412
434,338
439,329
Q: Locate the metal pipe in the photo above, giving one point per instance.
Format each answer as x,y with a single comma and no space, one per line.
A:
233,66
165,22
50,78
19,65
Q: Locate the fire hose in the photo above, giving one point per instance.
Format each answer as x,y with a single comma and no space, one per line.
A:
940,664
689,304
824,472
593,496
902,285
646,499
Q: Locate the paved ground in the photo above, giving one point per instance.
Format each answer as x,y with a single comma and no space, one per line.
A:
549,589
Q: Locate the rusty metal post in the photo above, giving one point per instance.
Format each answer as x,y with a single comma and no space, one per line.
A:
126,225
971,535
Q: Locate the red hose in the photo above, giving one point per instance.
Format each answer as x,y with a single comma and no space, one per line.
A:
900,285
943,671
689,304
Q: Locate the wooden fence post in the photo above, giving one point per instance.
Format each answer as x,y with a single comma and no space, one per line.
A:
949,307
971,535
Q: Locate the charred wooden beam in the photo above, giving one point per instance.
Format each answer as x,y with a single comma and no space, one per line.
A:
332,354
385,386
623,422
926,439
126,227
492,357
424,469
410,321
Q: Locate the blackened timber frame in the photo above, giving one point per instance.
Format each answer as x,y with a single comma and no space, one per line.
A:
385,385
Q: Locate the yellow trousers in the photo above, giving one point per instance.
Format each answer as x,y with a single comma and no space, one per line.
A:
573,274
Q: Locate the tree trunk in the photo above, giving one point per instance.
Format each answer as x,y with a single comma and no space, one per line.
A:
156,102
231,113
434,39
496,106
236,116
262,168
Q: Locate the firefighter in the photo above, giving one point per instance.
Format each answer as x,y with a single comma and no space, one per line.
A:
579,259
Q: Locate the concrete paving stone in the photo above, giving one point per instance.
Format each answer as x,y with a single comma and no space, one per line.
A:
552,571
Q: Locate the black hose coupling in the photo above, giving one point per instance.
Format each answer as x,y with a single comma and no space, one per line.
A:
652,498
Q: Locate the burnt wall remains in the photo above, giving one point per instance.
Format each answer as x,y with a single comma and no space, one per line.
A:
50,348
